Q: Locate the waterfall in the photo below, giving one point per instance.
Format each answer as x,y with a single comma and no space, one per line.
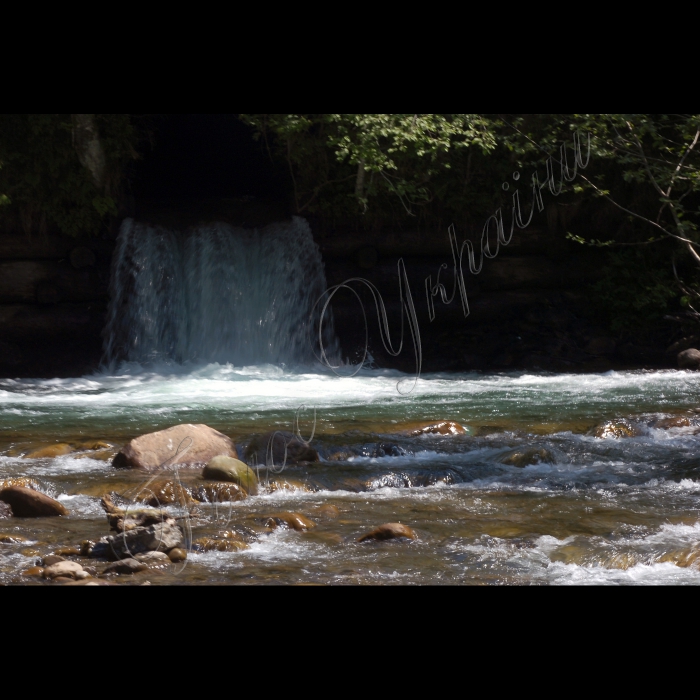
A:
216,293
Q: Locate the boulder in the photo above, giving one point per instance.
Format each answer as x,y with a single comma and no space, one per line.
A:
389,531
224,468
279,448
181,445
689,359
26,503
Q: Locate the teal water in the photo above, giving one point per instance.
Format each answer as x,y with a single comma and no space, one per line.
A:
596,510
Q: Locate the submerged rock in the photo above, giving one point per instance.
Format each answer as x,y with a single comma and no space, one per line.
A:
50,451
689,359
279,448
446,427
219,492
528,457
181,445
293,521
213,544
328,511
389,531
165,493
616,429
26,503
223,468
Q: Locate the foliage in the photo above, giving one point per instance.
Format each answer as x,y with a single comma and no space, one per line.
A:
342,165
42,176
634,291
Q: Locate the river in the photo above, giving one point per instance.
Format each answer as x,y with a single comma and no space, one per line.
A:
536,490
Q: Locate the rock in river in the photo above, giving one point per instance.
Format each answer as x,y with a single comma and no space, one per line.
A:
26,503
50,451
689,359
126,566
294,521
389,531
181,445
524,458
279,448
223,468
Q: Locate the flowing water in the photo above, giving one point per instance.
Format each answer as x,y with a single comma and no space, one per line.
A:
552,479
622,507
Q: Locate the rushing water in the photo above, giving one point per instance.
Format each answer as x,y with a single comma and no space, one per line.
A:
216,294
586,509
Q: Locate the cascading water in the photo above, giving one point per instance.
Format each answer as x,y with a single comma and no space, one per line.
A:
216,294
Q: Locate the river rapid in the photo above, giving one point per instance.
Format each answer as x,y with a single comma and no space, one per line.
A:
557,479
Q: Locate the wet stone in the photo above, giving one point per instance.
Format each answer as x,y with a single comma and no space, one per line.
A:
51,451
389,531
67,552
125,566
447,427
616,429
12,539
293,521
177,555
52,559
153,558
64,569
213,544
219,492
224,468
279,448
528,457
328,512
26,503
34,571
